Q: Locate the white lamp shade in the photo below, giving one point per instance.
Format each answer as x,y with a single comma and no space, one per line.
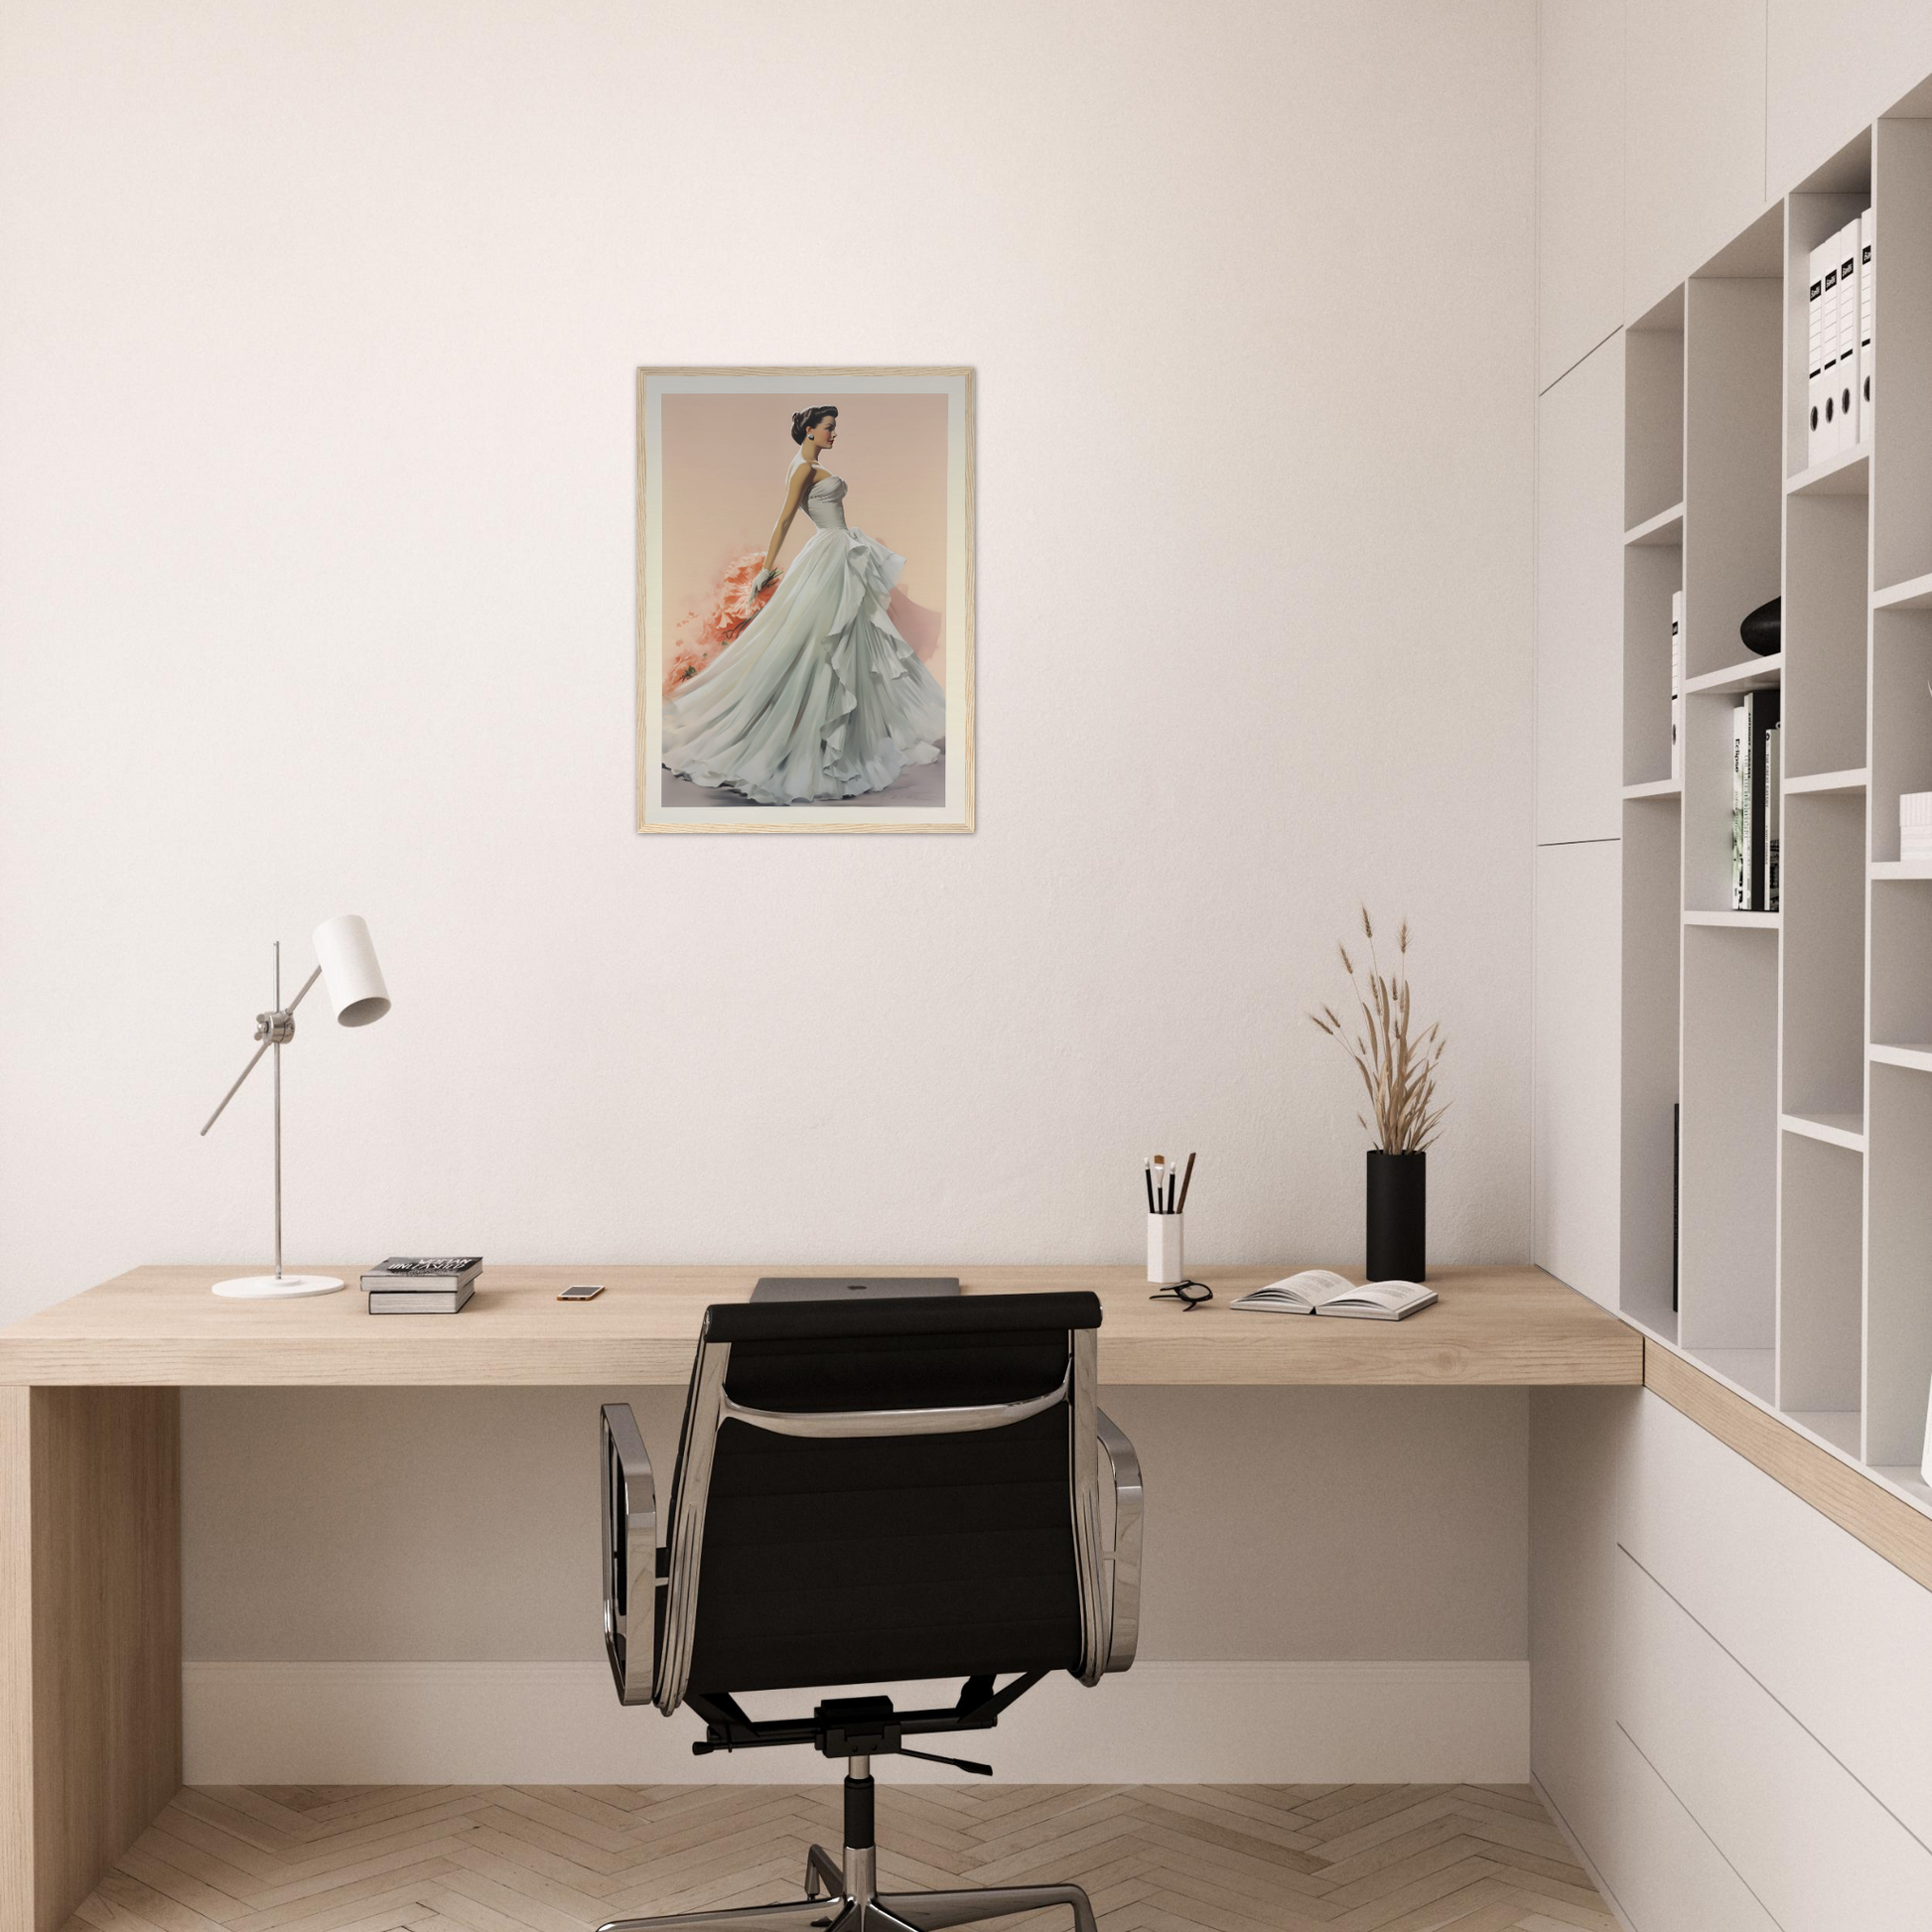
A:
349,975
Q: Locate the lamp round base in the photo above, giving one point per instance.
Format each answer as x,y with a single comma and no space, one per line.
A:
276,1288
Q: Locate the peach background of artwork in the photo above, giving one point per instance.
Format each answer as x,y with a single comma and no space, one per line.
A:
722,465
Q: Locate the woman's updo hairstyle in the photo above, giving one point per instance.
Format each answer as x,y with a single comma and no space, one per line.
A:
806,420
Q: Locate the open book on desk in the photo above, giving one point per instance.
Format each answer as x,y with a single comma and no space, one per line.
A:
1321,1291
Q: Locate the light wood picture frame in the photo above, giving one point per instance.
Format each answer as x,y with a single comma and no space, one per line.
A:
836,693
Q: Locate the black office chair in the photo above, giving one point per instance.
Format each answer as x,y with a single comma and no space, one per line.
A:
866,1495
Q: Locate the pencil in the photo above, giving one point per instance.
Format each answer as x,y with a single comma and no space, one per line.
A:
1148,1177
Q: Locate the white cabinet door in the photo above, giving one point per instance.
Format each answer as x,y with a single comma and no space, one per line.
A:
1832,65
1580,602
1693,137
1579,179
1574,1111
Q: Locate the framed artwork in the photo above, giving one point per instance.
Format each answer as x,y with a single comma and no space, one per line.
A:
804,600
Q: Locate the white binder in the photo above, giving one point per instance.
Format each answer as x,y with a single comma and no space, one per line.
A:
1827,436
1865,303
1677,686
1847,336
1819,312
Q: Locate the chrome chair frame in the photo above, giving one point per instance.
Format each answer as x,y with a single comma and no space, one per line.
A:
648,1670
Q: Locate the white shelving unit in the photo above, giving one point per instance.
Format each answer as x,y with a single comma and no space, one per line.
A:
1797,1044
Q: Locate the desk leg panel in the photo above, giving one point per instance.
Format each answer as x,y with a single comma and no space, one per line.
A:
89,1637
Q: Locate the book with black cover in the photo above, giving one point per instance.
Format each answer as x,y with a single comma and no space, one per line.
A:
413,1274
1760,715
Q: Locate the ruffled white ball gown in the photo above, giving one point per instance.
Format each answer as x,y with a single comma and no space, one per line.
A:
818,696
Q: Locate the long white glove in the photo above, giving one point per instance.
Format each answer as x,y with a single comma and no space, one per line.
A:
759,583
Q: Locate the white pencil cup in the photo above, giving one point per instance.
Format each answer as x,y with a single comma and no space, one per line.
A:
1163,1249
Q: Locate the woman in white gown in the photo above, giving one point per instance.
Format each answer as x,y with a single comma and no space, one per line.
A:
818,696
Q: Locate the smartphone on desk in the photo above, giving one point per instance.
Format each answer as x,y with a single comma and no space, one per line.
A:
581,1291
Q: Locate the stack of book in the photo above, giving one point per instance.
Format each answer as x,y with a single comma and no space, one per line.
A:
1839,362
1915,826
1754,804
422,1284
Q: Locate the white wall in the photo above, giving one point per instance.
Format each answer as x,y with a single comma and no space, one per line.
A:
316,341
316,492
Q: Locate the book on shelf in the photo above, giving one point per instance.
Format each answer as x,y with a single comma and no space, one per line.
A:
1677,687
1825,260
1321,1291
420,1301
423,1274
1815,358
1773,812
1847,393
1761,719
1676,1192
1751,722
1740,810
1867,301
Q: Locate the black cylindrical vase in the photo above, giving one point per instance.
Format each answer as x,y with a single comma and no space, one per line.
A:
1398,1217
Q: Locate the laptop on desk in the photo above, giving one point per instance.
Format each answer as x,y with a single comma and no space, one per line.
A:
851,1288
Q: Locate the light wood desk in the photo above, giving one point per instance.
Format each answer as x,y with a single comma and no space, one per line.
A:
90,1446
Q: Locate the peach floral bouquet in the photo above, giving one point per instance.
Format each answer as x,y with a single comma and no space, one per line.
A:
708,627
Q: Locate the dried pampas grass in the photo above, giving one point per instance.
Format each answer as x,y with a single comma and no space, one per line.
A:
1397,1072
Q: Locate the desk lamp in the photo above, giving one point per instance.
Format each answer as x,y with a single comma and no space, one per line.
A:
353,981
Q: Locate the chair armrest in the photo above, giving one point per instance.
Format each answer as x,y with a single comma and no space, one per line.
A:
629,1554
1124,1623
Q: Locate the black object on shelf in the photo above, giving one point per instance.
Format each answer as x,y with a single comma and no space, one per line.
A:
1763,631
1676,1192
1398,1217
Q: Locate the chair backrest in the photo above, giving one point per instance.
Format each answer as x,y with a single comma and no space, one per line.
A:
885,1491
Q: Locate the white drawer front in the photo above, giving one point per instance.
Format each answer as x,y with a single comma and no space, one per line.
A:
1836,1635
1808,1840
1664,1871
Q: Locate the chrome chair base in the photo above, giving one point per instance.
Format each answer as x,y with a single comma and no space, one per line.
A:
856,1907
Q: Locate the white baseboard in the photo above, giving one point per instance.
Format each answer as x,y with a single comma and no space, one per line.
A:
561,1724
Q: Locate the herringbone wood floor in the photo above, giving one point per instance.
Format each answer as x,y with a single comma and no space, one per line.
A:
561,1857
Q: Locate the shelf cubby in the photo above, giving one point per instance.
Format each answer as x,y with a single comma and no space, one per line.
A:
1826,612
1821,1269
1902,400
1898,1310
1733,480
1652,952
1652,572
1901,719
1653,435
1823,921
1707,803
1730,1083
1901,963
